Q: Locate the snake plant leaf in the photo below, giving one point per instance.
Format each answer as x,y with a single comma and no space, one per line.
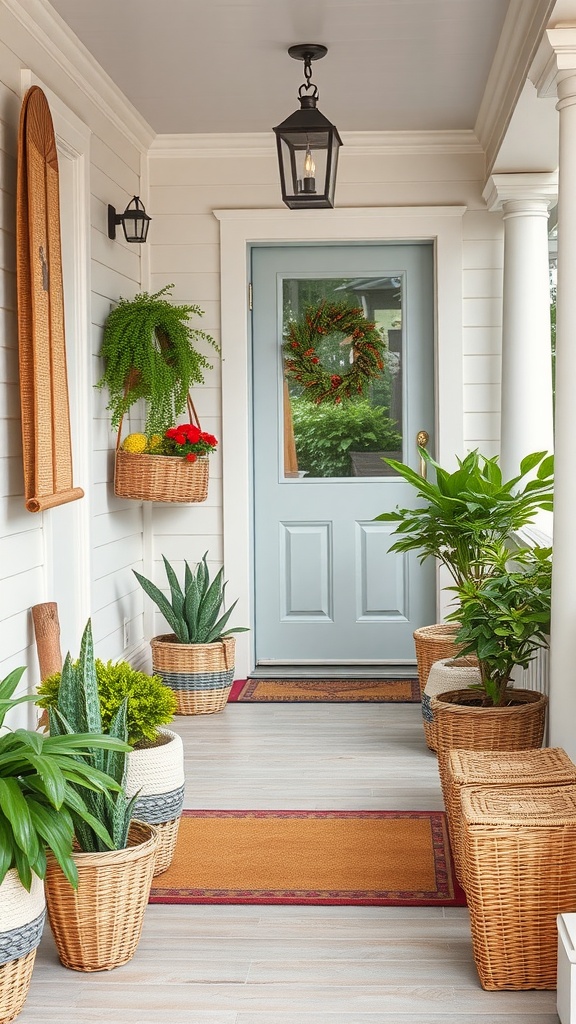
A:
191,606
115,761
86,674
210,606
217,629
162,603
188,576
175,589
203,575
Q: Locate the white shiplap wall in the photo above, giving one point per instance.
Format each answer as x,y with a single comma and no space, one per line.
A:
188,182
117,140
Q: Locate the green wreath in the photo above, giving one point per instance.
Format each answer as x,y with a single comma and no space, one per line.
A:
303,364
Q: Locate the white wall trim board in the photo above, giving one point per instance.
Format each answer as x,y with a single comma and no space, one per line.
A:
357,143
525,23
241,228
46,27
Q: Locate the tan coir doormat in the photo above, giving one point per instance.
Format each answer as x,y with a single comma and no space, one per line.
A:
355,858
399,691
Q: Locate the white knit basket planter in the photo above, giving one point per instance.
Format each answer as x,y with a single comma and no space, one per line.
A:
446,674
156,774
22,915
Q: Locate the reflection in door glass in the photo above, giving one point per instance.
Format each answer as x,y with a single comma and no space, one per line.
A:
347,437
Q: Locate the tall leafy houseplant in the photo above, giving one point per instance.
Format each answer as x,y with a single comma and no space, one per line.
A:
197,658
150,351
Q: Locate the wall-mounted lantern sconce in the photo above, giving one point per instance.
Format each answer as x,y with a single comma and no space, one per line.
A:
308,144
134,220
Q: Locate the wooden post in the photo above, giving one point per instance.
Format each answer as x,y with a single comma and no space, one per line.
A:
47,632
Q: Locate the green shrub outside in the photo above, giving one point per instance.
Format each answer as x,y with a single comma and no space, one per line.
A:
326,434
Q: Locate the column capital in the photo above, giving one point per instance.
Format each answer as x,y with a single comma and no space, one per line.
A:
529,193
555,59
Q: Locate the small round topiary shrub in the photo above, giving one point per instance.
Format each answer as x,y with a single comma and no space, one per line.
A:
149,702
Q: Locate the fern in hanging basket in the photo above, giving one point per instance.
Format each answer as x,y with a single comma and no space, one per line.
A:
150,352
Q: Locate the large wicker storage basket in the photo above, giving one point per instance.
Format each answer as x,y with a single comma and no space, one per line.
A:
156,775
160,477
549,766
201,675
462,726
98,926
446,674
519,852
431,644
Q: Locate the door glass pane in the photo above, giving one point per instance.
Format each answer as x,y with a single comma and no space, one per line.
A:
346,438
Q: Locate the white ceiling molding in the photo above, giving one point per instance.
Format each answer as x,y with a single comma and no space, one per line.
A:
355,143
48,29
524,26
501,188
556,53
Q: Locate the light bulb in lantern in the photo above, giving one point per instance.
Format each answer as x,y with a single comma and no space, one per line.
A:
309,181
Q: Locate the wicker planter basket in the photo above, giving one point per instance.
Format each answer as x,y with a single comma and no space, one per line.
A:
519,851
446,674
433,643
160,477
22,915
461,725
98,926
156,774
201,675
549,766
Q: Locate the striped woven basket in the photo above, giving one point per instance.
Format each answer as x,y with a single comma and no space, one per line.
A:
22,916
201,675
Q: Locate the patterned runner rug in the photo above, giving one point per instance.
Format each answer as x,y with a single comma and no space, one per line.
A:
327,690
339,858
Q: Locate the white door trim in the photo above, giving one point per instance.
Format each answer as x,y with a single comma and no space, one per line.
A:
238,230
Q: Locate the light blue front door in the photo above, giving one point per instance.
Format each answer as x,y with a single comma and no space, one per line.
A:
327,590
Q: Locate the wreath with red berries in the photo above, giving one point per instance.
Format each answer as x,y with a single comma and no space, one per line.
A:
303,365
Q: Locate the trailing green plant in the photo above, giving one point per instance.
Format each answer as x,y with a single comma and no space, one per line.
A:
149,703
150,351
78,711
194,611
326,434
46,787
467,518
504,618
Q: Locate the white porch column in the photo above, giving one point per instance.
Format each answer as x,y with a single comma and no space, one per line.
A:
562,715
526,401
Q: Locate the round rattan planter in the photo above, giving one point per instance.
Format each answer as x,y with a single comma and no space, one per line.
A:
433,643
201,675
22,916
462,725
157,775
146,477
98,926
446,674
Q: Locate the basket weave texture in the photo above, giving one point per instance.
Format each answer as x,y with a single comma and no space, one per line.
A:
15,978
433,643
156,774
160,477
460,726
167,838
519,851
446,674
549,766
201,675
98,926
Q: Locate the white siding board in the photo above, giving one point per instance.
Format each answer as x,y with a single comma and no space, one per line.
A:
484,426
485,312
8,328
20,553
481,398
185,259
15,518
482,254
109,589
22,591
482,369
123,169
115,526
7,251
119,554
8,366
481,284
11,477
185,229
481,340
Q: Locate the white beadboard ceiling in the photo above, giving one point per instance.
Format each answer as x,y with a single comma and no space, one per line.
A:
203,66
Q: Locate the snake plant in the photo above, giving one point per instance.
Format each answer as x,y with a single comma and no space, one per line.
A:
194,611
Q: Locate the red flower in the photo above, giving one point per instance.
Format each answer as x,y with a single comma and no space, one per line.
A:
209,439
309,352
191,457
335,380
179,437
294,344
315,360
171,433
192,432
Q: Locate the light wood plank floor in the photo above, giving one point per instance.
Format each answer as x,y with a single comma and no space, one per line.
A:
294,965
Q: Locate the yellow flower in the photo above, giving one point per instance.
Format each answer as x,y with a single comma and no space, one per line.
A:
135,443
154,441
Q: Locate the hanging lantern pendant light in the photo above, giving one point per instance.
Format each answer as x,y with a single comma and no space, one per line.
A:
308,143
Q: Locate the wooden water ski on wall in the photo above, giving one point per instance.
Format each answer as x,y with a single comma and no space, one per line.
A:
46,441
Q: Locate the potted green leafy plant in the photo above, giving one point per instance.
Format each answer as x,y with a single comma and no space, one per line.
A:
504,619
197,659
466,519
43,784
155,767
98,926
152,352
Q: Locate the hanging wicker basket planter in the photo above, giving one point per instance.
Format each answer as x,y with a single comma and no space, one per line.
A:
201,675
145,477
